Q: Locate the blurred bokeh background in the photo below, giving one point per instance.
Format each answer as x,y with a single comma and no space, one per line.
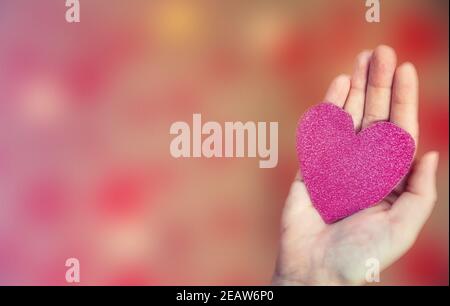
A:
85,111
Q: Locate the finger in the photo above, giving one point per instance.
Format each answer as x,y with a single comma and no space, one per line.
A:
298,193
299,211
355,100
338,91
405,100
378,95
409,213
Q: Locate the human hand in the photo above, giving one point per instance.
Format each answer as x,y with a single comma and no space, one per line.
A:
315,253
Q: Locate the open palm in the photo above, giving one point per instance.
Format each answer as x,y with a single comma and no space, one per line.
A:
313,252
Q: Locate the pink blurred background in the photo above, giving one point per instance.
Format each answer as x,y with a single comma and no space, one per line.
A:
85,111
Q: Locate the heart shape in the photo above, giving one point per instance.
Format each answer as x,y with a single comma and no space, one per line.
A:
345,172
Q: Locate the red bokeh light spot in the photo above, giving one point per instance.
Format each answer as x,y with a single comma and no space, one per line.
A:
135,276
434,124
88,72
418,35
45,200
427,264
292,53
120,194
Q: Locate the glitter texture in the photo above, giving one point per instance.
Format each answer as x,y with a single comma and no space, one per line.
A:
345,171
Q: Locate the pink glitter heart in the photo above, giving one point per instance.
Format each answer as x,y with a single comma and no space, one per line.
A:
345,171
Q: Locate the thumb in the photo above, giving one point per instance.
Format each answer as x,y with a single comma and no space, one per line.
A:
411,210
298,208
